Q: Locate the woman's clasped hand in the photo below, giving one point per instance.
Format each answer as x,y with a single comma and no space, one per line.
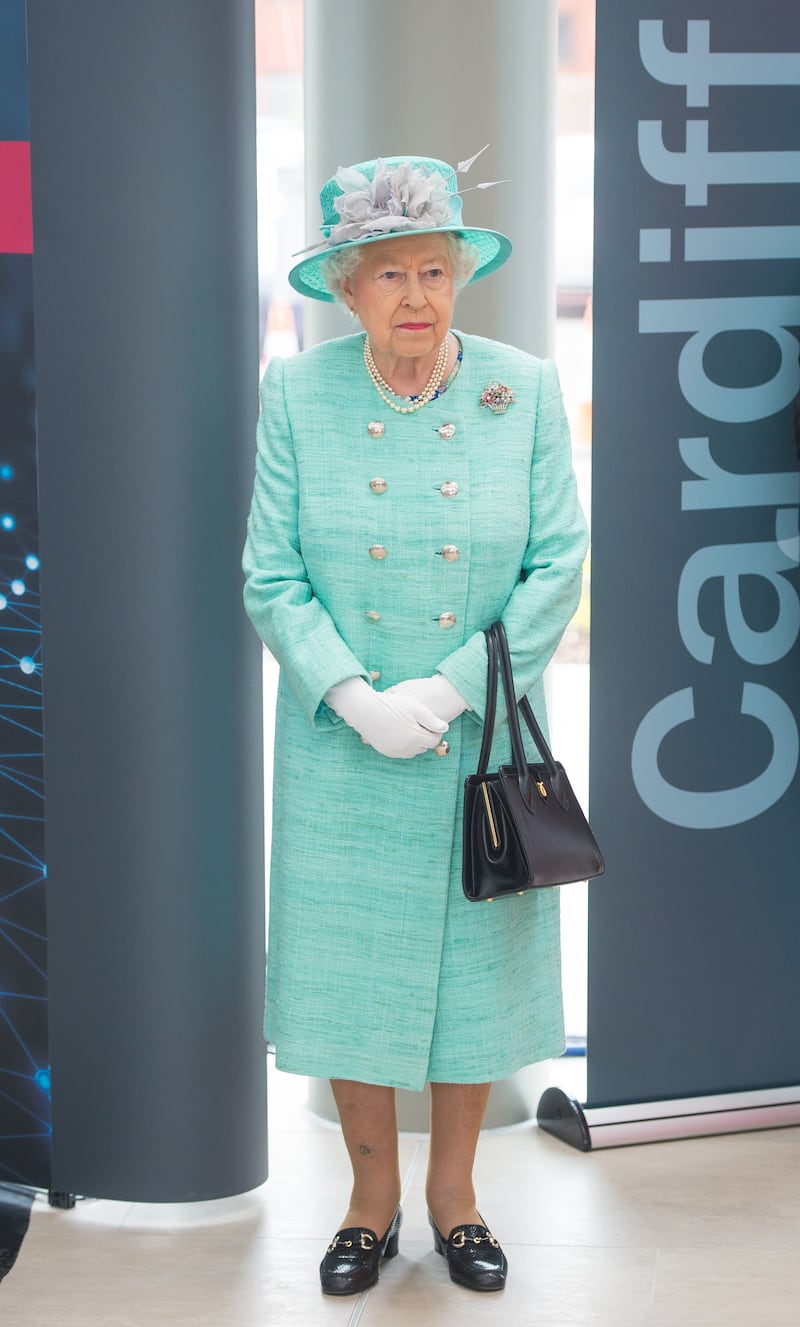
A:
397,723
437,692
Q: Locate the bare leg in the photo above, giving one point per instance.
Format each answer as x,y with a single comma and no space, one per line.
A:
369,1124
457,1111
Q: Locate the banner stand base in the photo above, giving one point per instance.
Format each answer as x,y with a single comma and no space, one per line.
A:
589,1127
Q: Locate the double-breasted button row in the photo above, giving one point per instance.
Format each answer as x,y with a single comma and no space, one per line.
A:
449,553
448,489
445,621
376,429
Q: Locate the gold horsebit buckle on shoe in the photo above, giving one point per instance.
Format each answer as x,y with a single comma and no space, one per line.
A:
367,1242
459,1239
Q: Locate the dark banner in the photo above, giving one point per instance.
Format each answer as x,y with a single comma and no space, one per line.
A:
24,1057
695,794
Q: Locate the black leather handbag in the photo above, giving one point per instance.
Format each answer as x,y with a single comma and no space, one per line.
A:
523,827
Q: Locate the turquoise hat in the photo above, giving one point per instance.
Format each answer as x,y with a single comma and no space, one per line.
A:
393,196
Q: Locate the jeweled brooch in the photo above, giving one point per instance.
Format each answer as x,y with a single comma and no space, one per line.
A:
497,397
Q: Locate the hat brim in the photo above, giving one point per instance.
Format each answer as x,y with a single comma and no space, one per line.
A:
493,247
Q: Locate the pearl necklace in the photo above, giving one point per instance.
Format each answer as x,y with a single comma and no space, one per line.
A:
426,395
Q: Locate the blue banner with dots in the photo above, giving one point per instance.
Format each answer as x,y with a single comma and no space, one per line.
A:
24,1064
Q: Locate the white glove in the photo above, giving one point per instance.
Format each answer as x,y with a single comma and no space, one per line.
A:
437,692
397,726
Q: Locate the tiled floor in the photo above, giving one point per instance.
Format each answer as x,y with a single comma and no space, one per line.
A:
684,1234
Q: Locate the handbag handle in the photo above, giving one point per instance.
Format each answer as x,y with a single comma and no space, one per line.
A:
491,701
497,648
519,758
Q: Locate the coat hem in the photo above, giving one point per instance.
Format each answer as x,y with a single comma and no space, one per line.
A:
307,1068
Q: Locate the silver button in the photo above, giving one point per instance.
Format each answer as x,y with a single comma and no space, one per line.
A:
446,620
378,485
372,616
378,552
375,428
450,553
375,674
443,749
447,431
449,488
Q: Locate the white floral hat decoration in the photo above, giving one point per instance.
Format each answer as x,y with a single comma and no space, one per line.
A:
394,196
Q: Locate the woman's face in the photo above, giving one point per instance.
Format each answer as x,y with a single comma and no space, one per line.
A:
403,293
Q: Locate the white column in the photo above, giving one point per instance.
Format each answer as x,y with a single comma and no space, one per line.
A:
440,78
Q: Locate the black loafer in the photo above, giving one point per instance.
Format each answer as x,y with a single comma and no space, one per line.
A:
352,1261
474,1257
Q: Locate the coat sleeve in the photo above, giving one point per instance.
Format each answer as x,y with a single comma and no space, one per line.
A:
278,596
543,602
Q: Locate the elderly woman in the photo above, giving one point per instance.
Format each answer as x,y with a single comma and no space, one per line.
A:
413,484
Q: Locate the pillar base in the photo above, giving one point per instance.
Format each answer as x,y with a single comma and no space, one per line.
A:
590,1127
512,1101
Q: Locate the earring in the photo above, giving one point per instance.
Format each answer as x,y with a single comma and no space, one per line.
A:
351,313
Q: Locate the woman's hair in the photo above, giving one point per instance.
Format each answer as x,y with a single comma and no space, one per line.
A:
337,267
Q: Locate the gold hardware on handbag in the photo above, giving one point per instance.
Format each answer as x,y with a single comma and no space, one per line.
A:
490,817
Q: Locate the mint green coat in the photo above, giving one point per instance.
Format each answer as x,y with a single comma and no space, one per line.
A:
379,969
